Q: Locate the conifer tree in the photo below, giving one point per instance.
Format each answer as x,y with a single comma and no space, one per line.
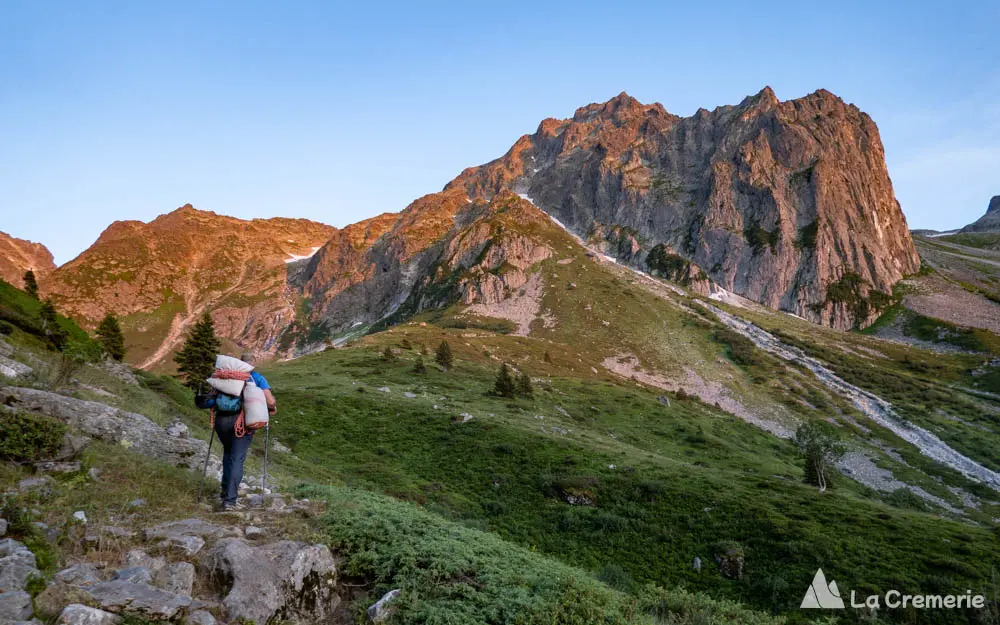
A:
109,335
524,388
504,385
444,356
196,360
50,324
419,366
548,357
388,355
30,284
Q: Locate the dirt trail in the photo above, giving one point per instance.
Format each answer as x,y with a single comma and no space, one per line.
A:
182,321
874,407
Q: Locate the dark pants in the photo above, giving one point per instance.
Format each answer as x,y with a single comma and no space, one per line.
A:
235,451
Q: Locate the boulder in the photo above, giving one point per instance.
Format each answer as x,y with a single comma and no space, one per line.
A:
3,526
17,565
176,577
73,446
142,600
42,484
191,527
183,545
200,617
83,574
134,575
309,575
287,579
13,369
250,587
57,467
76,614
138,557
57,595
15,605
382,609
178,430
113,425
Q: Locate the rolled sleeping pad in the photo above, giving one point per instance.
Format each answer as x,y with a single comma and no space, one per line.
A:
254,407
233,364
229,387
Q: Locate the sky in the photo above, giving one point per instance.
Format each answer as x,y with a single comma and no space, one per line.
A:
340,111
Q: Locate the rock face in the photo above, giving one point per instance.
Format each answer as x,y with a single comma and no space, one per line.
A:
776,201
113,425
990,222
442,248
162,275
18,256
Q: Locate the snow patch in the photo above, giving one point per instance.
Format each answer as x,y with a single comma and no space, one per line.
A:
296,257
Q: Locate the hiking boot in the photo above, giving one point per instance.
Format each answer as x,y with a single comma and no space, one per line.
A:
232,507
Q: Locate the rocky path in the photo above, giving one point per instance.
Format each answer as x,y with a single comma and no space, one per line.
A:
875,408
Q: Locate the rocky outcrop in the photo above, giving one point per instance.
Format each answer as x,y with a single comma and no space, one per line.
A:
990,222
775,201
443,248
18,256
162,275
131,430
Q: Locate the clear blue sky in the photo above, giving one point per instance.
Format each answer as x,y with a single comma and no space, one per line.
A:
335,112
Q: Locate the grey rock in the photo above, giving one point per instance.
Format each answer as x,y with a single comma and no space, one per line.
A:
137,503
94,474
176,577
76,614
134,575
200,617
287,579
83,574
110,424
73,446
382,609
35,483
243,575
697,563
80,516
309,575
279,448
178,430
191,527
13,369
409,395
141,600
113,531
120,370
3,526
15,605
17,565
184,545
253,532
57,467
138,557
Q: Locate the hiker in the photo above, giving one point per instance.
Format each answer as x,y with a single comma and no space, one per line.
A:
235,440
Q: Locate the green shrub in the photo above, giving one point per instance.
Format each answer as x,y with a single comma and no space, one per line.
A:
6,328
25,436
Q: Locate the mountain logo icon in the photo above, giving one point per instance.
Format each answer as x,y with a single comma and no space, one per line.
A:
822,595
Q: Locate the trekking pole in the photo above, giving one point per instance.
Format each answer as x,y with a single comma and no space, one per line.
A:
263,482
204,470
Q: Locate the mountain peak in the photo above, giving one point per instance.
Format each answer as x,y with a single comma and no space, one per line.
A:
994,204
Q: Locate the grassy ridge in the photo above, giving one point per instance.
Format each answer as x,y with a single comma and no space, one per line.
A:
668,483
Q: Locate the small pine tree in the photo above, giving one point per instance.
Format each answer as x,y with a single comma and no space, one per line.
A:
388,355
196,360
419,366
820,449
109,335
548,357
504,385
423,350
444,356
524,388
30,284
50,324
405,344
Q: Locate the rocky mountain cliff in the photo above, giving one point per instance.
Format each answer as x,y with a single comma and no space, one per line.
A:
786,203
18,256
990,222
162,275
